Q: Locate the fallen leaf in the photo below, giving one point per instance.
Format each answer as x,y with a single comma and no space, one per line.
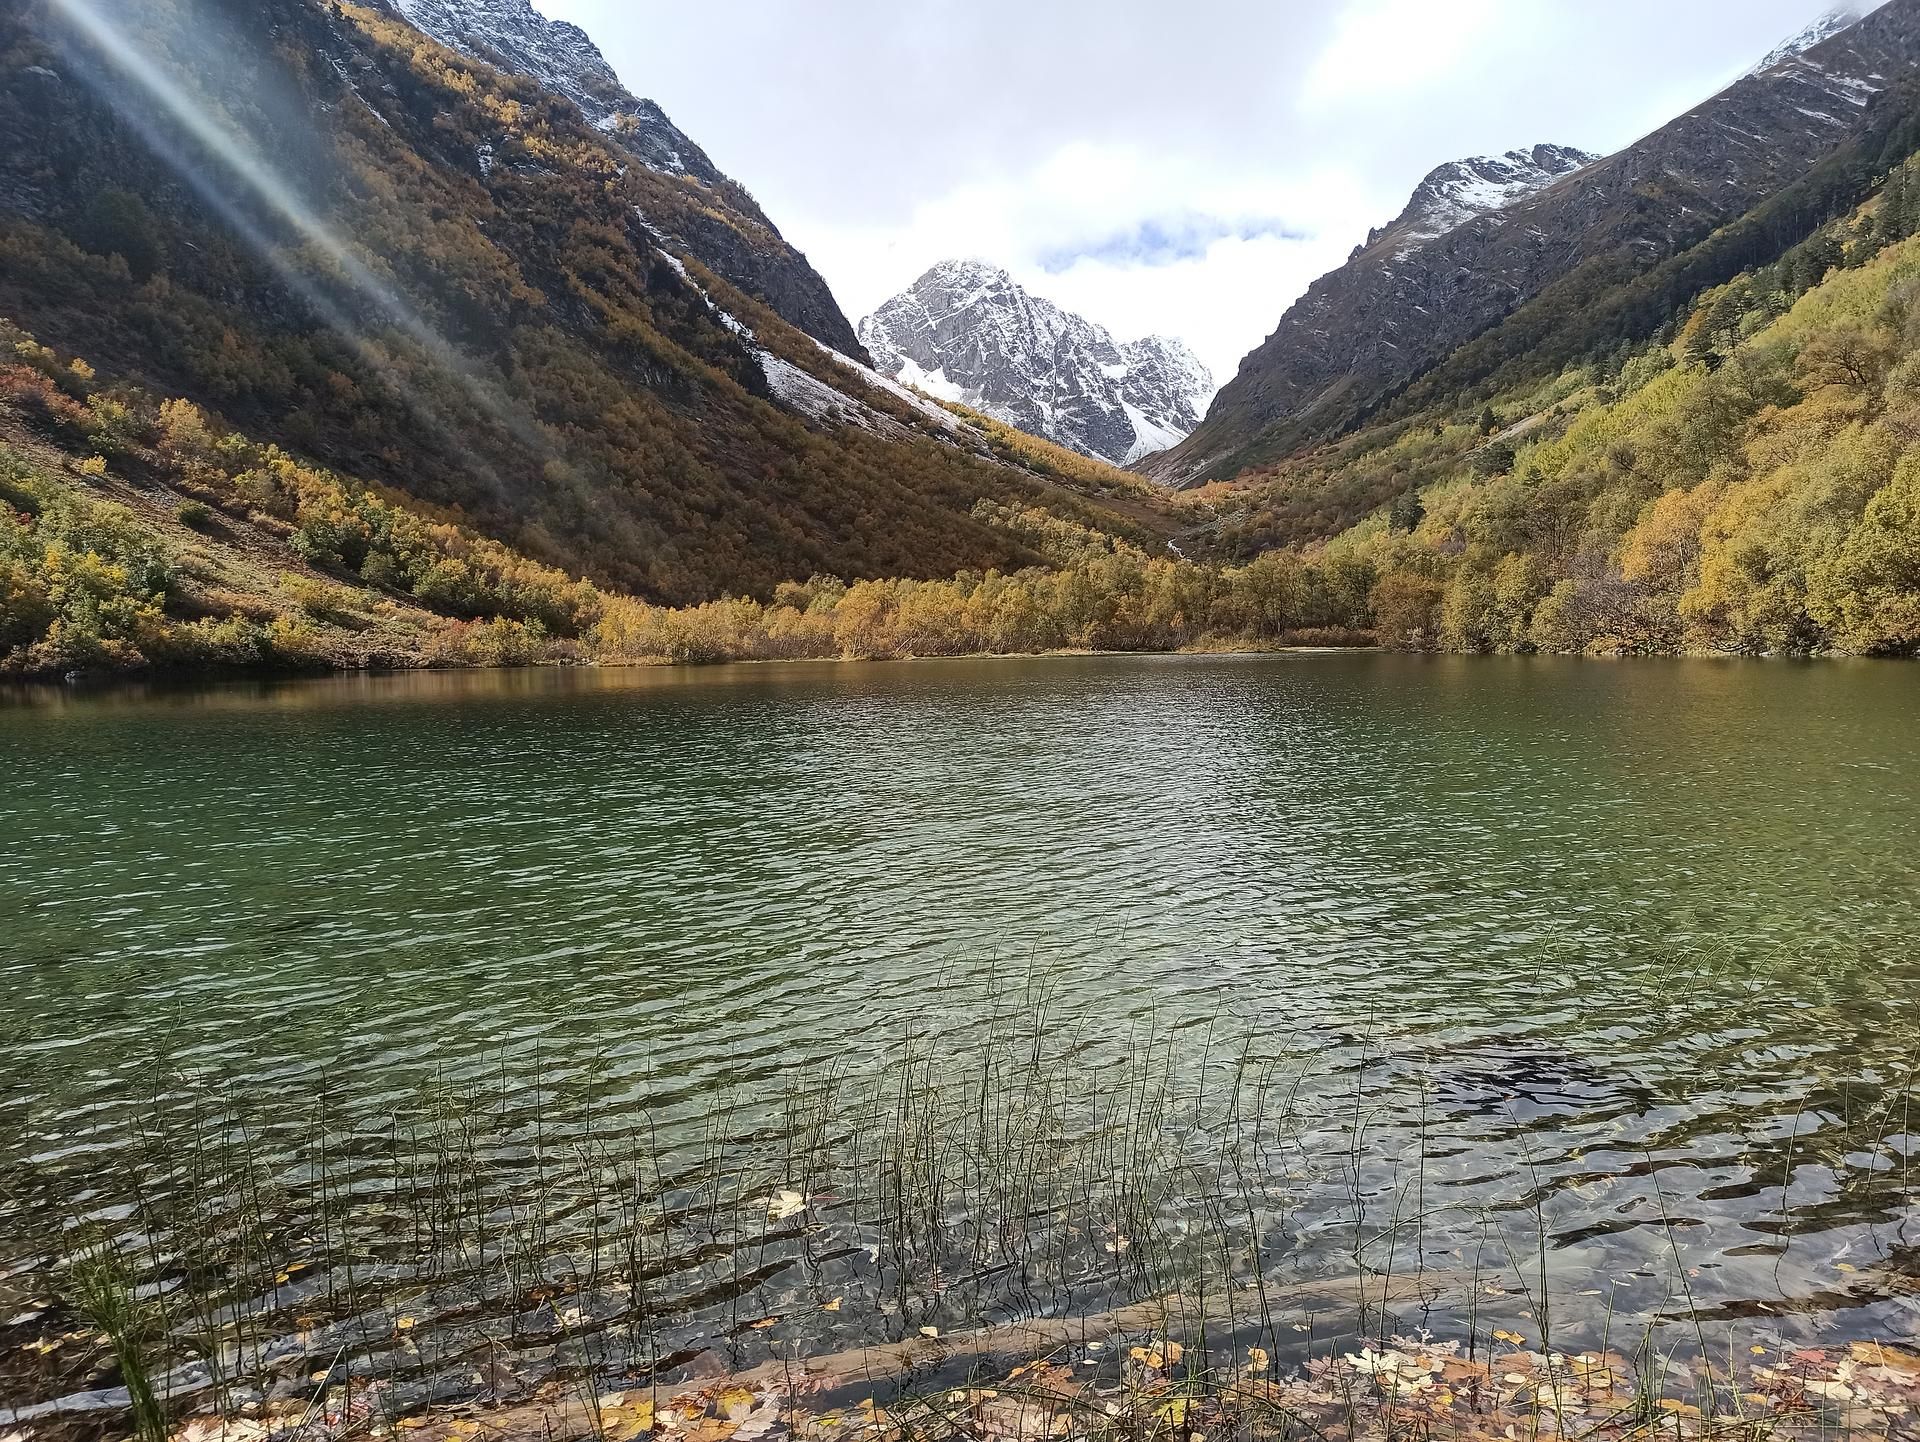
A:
834,1305
1883,1354
785,1203
930,1331
1513,1338
403,1324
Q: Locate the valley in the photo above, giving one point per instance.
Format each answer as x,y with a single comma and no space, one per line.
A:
1348,926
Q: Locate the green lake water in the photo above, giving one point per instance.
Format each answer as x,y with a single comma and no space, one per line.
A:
1618,961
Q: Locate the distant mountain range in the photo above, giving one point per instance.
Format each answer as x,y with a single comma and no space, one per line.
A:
967,332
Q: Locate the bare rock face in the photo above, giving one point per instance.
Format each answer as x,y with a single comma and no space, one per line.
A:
730,234
967,332
1482,237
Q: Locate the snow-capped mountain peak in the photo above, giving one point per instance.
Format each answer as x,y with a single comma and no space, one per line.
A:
966,331
1457,192
1841,17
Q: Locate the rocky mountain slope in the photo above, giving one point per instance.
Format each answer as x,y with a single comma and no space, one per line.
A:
727,231
967,332
382,256
1455,193
1408,298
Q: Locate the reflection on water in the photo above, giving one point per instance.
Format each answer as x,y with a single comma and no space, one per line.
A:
1618,956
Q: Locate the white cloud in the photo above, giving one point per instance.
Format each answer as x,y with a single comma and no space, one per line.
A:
1388,47
1054,226
1264,136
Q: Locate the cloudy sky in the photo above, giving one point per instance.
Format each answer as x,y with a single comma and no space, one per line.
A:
1177,168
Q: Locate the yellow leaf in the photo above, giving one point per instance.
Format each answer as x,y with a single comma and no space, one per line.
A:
1512,1338
834,1305
930,1331
1845,1267
1758,1351
1174,1353
1175,1410
403,1324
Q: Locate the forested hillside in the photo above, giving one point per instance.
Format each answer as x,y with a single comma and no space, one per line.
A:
1748,483
331,232
138,533
1580,263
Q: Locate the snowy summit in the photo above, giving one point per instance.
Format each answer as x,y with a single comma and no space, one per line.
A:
967,332
1457,192
1821,30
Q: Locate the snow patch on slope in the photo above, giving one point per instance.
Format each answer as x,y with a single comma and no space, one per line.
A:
561,58
1462,190
1839,18
804,392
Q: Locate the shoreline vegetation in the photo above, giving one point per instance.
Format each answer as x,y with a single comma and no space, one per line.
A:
141,538
1119,1235
1748,485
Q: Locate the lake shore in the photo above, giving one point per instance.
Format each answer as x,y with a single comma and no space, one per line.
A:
1137,1386
187,676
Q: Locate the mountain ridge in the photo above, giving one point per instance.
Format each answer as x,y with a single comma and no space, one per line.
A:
1450,195
967,332
1376,323
730,233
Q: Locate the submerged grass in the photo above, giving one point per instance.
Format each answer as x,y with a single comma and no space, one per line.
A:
103,1293
931,1216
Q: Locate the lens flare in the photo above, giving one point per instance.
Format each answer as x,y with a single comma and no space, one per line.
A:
244,169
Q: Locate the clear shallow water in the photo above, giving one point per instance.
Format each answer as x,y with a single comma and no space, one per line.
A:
1632,942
